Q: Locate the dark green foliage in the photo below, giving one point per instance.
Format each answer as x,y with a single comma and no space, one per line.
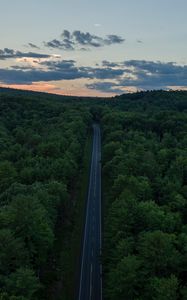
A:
22,282
144,166
145,199
41,147
162,288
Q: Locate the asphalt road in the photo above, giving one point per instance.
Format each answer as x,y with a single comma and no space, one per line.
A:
90,287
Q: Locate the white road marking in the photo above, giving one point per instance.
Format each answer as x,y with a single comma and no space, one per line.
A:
91,269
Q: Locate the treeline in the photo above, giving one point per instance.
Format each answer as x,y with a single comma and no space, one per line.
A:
41,148
145,197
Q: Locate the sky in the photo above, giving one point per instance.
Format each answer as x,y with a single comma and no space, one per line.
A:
93,48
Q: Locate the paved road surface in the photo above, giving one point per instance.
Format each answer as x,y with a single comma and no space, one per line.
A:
91,270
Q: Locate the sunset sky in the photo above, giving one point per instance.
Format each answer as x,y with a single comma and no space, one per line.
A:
93,48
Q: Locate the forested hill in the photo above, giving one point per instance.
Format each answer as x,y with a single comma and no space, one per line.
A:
140,101
153,101
43,141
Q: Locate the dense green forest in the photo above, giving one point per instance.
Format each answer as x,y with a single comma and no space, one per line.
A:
145,197
144,171
41,147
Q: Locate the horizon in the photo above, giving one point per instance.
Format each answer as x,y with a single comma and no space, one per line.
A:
78,49
6,89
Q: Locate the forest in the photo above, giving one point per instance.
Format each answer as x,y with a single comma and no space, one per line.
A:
144,193
41,148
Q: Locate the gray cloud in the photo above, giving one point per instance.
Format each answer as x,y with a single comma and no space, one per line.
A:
78,39
107,87
59,65
103,73
33,46
107,63
22,68
57,44
7,53
145,75
151,66
55,70
138,73
89,72
114,39
20,76
66,34
155,75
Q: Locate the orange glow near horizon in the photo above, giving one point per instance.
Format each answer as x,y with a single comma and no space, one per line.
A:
178,88
73,88
68,90
48,88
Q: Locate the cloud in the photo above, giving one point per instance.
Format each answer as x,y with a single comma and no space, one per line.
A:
7,53
146,75
19,76
110,77
155,75
53,70
78,39
113,39
151,66
66,34
22,68
59,65
57,44
107,87
150,74
33,46
102,73
107,63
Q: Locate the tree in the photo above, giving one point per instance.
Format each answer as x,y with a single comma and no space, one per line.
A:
158,252
7,175
124,280
31,225
162,288
12,252
22,283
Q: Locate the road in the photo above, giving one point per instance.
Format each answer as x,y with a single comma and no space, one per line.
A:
90,287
